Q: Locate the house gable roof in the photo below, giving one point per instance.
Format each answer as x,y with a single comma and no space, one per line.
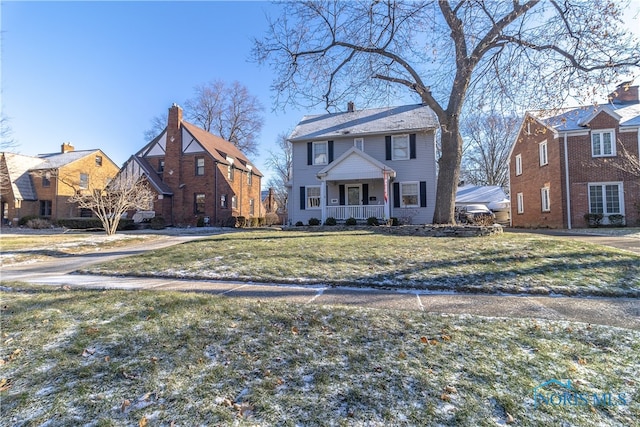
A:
145,168
58,160
18,167
219,148
365,122
355,164
578,118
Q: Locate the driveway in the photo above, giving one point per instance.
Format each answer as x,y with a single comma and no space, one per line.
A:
620,312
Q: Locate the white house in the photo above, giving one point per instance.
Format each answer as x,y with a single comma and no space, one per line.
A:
369,163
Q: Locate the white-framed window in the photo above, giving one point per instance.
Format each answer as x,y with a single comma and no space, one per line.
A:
199,203
400,147
542,148
358,143
84,181
518,164
230,172
98,160
320,153
313,197
603,143
545,200
520,203
199,166
252,209
234,202
223,201
409,192
606,198
249,178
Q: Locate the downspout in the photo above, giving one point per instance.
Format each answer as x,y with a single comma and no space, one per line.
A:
566,179
215,193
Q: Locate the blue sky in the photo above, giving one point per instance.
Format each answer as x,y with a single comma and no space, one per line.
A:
96,73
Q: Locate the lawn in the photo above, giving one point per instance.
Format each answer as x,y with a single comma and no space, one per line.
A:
43,245
508,263
116,358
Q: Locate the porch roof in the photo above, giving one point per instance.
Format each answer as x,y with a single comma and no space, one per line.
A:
355,164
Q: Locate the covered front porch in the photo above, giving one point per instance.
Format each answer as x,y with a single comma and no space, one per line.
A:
355,186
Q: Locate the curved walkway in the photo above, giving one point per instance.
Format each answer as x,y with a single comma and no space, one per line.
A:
620,312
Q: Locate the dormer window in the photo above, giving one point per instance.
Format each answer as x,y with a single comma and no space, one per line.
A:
603,143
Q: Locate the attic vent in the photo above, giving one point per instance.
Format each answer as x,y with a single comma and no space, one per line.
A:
351,107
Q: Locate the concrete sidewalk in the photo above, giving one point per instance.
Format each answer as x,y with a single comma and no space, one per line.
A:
620,312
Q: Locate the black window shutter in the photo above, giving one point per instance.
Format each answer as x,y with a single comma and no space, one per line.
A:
365,194
396,194
423,194
330,149
412,146
303,198
387,145
309,153
341,188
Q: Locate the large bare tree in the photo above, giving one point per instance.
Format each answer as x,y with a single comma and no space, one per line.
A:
488,137
226,110
279,161
110,199
442,51
229,111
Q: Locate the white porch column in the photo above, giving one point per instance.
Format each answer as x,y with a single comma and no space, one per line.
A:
385,183
323,199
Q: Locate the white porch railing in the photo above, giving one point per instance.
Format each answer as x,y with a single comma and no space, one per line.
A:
355,211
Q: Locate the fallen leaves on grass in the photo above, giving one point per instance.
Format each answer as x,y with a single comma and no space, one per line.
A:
5,384
88,352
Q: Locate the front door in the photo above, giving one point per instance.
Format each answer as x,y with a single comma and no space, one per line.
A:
353,195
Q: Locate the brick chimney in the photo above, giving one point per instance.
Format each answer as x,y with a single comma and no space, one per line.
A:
66,147
172,174
624,93
351,107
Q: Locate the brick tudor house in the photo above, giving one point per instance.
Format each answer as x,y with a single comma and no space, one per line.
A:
568,163
197,175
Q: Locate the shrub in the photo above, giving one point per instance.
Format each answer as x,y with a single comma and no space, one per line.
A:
157,223
241,221
299,224
271,218
25,219
81,223
616,220
593,219
393,221
200,222
38,223
351,221
254,222
331,221
483,220
314,221
127,224
372,220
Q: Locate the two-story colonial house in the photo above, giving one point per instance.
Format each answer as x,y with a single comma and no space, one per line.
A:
41,185
367,163
197,175
576,161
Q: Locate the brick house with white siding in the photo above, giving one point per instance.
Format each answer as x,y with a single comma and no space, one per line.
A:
197,175
568,163
364,163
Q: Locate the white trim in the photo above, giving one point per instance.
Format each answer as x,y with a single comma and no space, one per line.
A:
313,152
393,150
520,203
306,197
629,129
566,182
620,185
417,184
602,132
543,153
518,164
545,199
358,140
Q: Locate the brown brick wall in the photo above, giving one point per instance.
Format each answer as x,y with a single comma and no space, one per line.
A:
583,169
534,177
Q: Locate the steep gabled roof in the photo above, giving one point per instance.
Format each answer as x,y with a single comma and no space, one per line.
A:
220,148
18,167
152,176
578,118
365,122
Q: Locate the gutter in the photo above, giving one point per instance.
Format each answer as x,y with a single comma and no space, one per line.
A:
566,179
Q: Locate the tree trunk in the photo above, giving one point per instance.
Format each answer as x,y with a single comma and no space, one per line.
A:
448,175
